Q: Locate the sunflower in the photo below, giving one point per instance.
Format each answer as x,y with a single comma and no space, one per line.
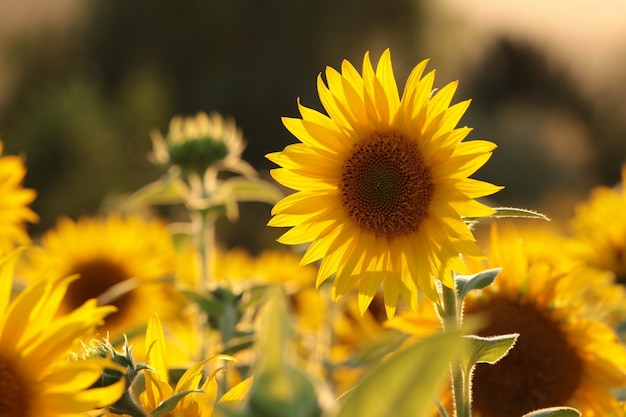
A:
279,266
382,183
14,212
126,262
35,343
599,229
562,356
158,387
196,144
550,244
356,340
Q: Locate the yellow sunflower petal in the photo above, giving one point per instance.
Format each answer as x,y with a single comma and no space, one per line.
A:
155,347
77,403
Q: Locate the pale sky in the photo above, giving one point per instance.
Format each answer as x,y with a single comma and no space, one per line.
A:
588,33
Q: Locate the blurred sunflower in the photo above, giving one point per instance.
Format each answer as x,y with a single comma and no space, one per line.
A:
599,229
562,357
195,145
14,212
544,242
382,183
125,262
35,343
280,266
357,340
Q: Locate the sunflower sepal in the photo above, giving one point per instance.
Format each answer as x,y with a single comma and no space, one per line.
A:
466,283
127,404
554,412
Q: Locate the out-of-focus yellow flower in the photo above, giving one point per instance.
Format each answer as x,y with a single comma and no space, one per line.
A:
619,410
125,262
38,377
419,323
354,338
599,229
233,265
280,266
310,307
382,183
14,210
562,356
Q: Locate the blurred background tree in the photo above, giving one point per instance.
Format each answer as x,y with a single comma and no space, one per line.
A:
80,98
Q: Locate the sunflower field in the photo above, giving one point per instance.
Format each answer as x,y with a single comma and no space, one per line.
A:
396,281
129,314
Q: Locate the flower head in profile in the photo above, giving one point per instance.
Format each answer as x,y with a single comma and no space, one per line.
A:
14,210
382,183
562,356
599,229
127,262
193,395
196,144
38,377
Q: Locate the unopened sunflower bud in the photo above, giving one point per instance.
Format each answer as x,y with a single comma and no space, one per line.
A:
196,144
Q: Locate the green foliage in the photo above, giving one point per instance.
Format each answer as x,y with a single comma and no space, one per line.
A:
404,385
251,189
467,283
507,212
164,191
239,189
503,212
487,349
168,405
279,389
224,310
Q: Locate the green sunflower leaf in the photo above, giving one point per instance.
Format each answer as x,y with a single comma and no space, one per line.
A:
279,388
237,189
165,191
467,283
554,412
168,405
506,212
405,384
253,189
207,304
487,349
502,212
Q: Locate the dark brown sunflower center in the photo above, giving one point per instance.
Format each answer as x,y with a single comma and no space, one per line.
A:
13,398
542,370
97,278
385,186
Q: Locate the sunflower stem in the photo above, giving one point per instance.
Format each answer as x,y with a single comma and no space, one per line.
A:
205,239
451,316
203,222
